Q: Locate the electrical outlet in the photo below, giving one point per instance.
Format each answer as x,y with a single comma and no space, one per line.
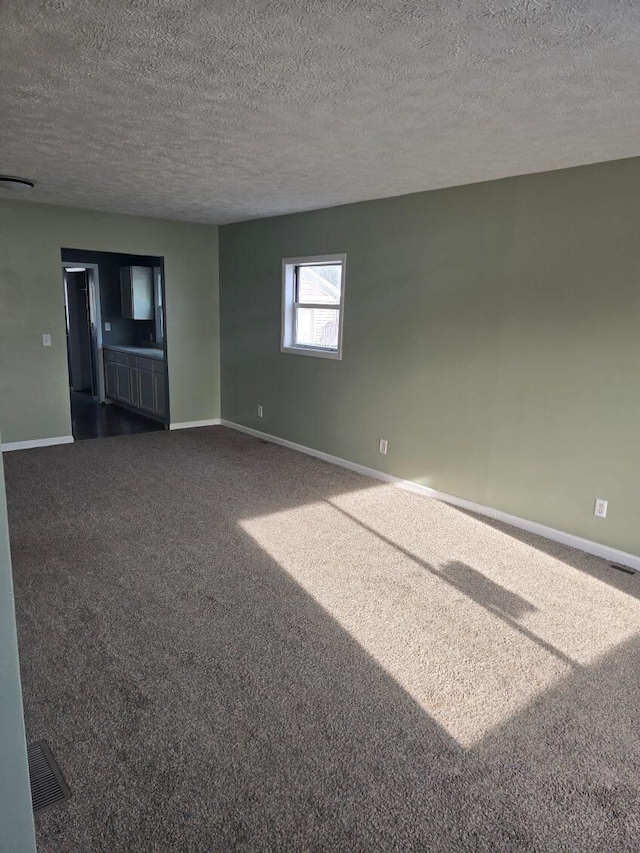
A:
260,411
382,446
46,340
601,508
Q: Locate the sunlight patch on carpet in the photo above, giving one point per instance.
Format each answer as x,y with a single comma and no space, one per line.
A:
473,632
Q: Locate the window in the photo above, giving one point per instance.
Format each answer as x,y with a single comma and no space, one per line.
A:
312,305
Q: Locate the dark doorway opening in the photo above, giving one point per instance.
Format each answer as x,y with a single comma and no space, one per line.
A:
80,351
115,313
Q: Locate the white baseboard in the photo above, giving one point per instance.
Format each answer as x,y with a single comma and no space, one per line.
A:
605,551
193,424
37,442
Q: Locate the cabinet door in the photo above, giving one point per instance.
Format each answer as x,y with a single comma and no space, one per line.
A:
134,386
160,399
136,293
142,287
110,385
123,383
146,390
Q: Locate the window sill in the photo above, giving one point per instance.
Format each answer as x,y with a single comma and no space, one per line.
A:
318,353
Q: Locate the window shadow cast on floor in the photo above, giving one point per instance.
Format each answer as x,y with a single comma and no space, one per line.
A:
590,564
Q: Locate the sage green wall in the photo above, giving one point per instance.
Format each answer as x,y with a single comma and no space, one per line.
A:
16,817
34,394
491,334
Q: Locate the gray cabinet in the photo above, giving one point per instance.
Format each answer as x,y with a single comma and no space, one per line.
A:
160,393
136,293
134,388
110,386
137,381
123,383
145,379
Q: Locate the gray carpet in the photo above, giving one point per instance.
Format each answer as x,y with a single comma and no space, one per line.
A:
230,646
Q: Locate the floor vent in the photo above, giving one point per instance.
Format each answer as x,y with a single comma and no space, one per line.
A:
623,569
47,785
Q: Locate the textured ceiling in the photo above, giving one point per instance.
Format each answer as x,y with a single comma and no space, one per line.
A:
221,111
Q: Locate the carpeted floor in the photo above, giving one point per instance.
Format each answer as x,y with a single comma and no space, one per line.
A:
230,646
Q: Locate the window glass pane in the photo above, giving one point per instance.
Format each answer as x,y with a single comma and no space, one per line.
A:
317,327
319,283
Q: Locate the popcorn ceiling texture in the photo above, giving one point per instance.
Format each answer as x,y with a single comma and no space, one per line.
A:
222,111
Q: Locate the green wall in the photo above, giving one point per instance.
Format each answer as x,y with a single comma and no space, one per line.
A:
491,334
34,394
16,817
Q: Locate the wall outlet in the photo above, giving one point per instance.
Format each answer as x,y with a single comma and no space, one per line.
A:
260,411
601,508
107,327
382,446
46,340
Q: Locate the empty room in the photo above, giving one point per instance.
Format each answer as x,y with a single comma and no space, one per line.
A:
319,412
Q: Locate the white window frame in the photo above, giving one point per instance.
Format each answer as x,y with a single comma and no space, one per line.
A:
289,305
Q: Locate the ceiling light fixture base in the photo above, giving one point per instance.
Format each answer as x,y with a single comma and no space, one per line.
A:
15,185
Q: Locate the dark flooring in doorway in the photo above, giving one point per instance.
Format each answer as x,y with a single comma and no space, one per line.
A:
92,420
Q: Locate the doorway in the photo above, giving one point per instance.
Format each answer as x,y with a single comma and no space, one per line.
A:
98,333
83,328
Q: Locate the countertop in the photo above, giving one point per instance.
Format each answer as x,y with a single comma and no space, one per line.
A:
147,352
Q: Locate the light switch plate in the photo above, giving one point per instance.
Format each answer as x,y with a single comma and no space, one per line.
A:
107,327
46,340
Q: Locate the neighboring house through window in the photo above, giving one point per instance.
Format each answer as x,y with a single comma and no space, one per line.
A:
312,305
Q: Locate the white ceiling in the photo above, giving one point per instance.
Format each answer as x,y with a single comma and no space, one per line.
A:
227,110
